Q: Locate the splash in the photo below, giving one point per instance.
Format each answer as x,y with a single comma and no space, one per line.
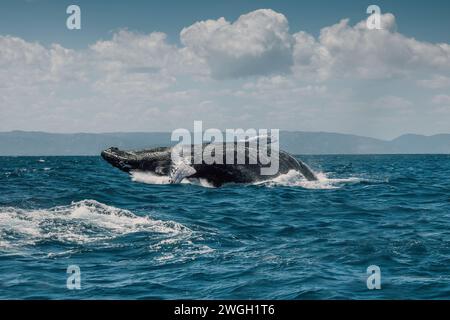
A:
151,178
81,223
295,179
291,179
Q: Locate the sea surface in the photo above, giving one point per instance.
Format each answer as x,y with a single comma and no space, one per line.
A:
137,237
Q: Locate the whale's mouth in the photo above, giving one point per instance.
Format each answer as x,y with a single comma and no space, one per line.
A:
122,160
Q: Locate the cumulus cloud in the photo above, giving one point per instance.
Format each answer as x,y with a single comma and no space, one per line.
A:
119,83
134,50
355,51
258,43
144,53
26,63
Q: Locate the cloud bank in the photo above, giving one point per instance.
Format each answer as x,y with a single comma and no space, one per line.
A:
250,72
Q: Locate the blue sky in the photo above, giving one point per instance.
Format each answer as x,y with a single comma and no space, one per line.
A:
160,65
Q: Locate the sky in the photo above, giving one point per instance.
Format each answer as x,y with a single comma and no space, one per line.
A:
289,65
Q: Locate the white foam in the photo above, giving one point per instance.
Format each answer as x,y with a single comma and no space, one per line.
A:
295,179
151,178
199,182
291,179
81,222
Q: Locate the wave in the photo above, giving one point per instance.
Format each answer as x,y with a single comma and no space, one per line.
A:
81,223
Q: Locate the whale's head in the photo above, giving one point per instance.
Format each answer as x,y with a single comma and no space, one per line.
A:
124,160
156,160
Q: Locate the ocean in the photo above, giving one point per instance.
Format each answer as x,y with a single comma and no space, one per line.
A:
137,237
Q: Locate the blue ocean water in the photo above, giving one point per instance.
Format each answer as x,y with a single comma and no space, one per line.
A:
283,239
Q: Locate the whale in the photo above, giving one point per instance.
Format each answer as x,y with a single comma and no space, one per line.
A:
159,161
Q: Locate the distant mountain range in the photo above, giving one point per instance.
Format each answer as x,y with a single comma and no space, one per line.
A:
21,143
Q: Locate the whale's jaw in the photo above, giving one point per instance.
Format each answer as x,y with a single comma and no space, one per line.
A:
122,160
156,160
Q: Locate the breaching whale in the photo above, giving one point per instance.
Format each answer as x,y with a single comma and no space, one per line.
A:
159,161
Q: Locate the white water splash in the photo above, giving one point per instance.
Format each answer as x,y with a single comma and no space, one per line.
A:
291,179
295,179
79,223
151,178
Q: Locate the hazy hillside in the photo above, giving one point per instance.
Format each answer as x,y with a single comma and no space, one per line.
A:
39,143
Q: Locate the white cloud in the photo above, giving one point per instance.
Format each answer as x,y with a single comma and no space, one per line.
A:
441,106
393,104
134,50
143,59
141,82
435,82
25,63
344,51
258,43
441,99
144,53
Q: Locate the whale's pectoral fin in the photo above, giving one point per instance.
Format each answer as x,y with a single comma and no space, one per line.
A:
307,172
180,171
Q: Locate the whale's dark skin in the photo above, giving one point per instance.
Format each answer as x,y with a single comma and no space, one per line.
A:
158,161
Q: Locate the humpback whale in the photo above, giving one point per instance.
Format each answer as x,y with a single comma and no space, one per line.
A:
159,161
